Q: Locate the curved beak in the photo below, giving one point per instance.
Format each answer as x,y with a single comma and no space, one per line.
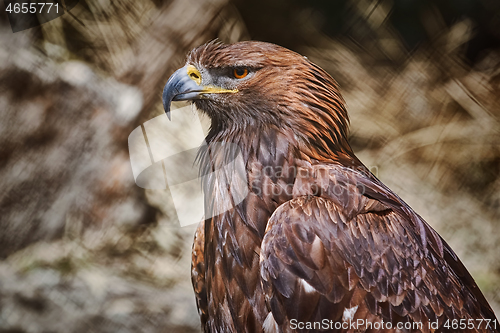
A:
180,87
184,85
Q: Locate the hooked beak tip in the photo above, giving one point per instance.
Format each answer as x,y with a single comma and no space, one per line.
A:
178,87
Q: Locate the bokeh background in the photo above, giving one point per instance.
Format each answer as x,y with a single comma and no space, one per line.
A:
83,249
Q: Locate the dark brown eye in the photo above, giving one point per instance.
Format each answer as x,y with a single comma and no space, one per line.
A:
240,73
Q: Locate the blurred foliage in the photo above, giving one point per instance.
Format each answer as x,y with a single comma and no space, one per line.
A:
85,250
413,23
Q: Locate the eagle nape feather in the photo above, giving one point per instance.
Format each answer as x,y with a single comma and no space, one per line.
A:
318,242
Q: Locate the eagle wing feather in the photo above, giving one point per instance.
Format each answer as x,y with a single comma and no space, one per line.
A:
335,258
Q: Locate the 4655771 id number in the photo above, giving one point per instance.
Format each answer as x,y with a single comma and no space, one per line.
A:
470,324
32,7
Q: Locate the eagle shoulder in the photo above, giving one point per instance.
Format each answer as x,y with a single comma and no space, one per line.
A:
335,253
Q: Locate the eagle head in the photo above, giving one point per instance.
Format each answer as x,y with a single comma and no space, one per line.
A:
255,85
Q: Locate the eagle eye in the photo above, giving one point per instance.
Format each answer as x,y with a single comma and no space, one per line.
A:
240,73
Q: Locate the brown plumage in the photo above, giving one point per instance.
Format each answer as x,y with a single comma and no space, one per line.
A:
318,237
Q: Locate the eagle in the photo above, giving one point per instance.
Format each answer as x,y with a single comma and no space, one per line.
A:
317,243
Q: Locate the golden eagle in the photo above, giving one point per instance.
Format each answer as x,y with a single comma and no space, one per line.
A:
318,243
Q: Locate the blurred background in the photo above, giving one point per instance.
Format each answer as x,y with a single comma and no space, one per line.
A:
84,249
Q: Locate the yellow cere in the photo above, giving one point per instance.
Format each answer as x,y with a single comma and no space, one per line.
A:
194,74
